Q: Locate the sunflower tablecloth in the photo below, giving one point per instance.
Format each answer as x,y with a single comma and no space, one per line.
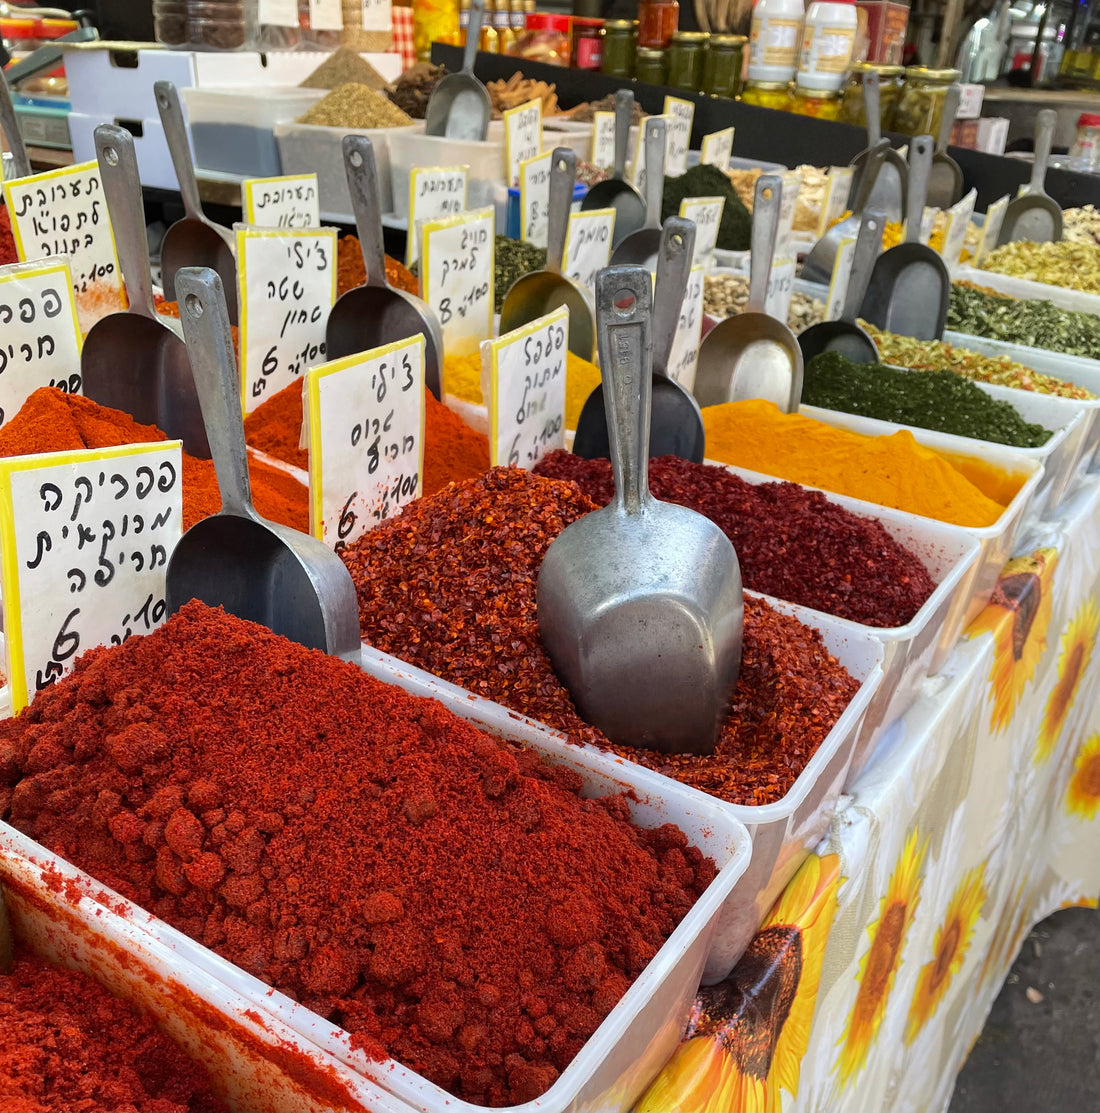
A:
980,815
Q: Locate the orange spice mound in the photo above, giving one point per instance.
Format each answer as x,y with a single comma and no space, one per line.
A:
350,271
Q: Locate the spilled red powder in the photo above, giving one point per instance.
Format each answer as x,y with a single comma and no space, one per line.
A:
8,253
69,1046
443,895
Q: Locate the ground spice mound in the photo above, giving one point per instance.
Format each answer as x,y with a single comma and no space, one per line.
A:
69,1046
443,895
350,271
450,584
791,543
53,421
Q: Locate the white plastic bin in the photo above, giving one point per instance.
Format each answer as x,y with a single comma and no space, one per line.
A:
1023,288
485,184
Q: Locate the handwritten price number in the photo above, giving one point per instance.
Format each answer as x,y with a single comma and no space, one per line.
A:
685,348
779,285
402,489
543,365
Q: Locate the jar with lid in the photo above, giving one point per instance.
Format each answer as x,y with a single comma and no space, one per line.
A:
206,24
651,66
722,65
890,81
546,39
767,94
1085,152
920,106
828,37
587,43
685,60
433,21
773,40
502,24
619,37
823,104
657,22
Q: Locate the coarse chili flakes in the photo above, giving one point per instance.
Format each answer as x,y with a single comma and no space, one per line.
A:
450,585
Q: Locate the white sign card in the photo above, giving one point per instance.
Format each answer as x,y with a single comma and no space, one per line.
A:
991,229
377,15
777,303
603,140
288,201
534,198
788,201
706,212
458,277
954,234
684,359
522,136
838,187
279,13
838,282
717,149
588,244
326,15
680,114
434,192
637,169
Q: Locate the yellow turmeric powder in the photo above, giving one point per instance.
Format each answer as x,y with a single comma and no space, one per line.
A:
462,378
894,471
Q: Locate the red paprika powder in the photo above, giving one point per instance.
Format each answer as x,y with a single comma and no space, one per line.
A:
8,254
350,271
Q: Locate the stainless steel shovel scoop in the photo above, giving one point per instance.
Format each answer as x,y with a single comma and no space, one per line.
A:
640,604
753,355
676,425
9,124
136,361
534,295
459,107
375,313
888,189
257,570
1035,215
945,186
194,241
910,286
617,193
641,247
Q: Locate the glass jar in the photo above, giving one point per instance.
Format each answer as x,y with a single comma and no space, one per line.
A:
685,60
651,66
433,21
618,48
823,104
767,94
206,24
546,39
920,106
657,21
1085,152
587,43
890,80
722,64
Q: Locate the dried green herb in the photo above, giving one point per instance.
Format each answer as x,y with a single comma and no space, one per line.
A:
708,181
938,400
355,106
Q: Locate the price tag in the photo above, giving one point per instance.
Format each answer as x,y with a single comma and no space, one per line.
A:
63,212
680,114
991,229
365,415
289,201
377,15
689,331
792,183
522,136
717,149
434,192
927,223
603,140
838,283
954,235
838,187
534,198
279,13
777,303
526,369
588,244
637,171
286,283
707,214
85,538
326,15
458,277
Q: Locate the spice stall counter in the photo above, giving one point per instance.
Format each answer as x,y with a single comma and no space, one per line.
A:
978,817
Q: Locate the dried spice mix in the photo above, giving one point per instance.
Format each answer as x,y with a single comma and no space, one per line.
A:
445,896
449,585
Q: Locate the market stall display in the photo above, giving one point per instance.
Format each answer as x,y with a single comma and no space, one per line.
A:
708,181
616,192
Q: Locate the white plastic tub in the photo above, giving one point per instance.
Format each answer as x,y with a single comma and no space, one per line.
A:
1023,288
485,184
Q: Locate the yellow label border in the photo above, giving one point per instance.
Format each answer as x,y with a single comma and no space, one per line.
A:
248,185
708,139
17,272
548,155
507,115
416,170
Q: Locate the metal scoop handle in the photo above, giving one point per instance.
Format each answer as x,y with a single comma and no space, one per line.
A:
205,321
473,35
872,107
624,302
868,245
654,170
175,132
876,156
361,168
563,176
1044,139
118,170
9,124
920,172
673,267
624,113
765,225
947,121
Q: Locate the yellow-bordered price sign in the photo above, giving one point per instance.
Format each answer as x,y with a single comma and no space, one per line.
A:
680,115
522,136
717,149
286,201
458,277
434,192
534,199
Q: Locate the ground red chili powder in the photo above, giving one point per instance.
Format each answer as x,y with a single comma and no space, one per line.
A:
172,309
69,1046
449,585
53,421
436,891
8,254
791,543
350,271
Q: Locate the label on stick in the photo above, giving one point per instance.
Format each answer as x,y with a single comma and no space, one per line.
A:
64,212
717,149
289,201
534,198
991,229
458,277
788,202
603,140
680,114
86,538
286,283
522,136
588,244
706,212
954,234
434,192
39,336
526,369
365,415
838,283
780,287
684,359
838,187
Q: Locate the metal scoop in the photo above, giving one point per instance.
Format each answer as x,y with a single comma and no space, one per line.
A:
9,124
845,336
945,185
888,189
617,193
753,355
641,602
1035,215
194,241
257,570
818,266
910,286
459,106
642,247
533,295
375,313
136,361
676,425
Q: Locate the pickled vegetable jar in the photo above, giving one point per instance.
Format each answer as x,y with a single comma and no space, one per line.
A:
657,20
890,80
722,64
820,103
920,106
651,66
618,47
767,94
685,60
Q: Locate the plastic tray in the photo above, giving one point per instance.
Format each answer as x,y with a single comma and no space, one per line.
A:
1023,288
254,1061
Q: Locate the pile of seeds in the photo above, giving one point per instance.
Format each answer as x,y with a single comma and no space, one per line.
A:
355,106
342,67
725,295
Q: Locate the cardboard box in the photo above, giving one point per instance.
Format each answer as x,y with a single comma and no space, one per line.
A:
993,134
970,102
886,24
